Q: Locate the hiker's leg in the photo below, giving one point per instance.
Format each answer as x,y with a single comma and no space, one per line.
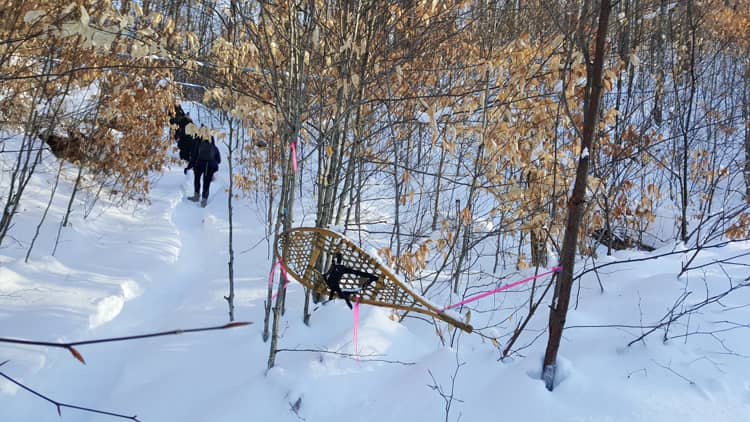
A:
197,172
206,182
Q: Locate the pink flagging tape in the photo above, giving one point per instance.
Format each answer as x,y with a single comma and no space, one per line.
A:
279,263
294,155
555,269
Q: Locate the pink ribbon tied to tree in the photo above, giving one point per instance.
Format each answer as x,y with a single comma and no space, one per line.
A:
279,263
293,146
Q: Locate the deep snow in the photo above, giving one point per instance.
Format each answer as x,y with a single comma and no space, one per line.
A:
162,265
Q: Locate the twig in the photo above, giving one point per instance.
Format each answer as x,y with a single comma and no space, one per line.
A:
671,317
611,326
254,246
77,355
527,345
520,327
60,405
640,310
669,368
666,320
711,361
448,397
645,372
347,355
721,261
682,251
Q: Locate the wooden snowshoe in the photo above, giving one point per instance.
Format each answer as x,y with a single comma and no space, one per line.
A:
307,253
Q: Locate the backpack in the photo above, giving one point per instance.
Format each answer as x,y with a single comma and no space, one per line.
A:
205,151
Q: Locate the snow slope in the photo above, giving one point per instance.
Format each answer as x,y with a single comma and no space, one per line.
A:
163,265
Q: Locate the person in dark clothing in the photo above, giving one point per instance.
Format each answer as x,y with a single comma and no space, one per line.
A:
333,279
185,143
178,113
204,161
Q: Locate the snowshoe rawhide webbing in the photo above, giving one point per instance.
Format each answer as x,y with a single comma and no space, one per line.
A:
307,253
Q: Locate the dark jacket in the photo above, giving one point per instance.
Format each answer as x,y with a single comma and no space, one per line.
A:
178,113
211,164
181,119
185,142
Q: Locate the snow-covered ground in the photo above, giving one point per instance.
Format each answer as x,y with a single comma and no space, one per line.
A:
163,265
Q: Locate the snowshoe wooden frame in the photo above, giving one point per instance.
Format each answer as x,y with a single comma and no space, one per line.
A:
307,253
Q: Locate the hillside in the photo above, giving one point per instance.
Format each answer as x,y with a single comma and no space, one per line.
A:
161,265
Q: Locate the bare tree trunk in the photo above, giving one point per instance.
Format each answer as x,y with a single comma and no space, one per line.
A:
329,167
76,185
576,203
537,236
64,221
685,182
463,252
533,305
348,179
232,143
746,118
269,231
467,225
46,210
538,243
306,314
285,207
230,148
25,165
26,162
439,177
87,153
398,192
293,103
658,46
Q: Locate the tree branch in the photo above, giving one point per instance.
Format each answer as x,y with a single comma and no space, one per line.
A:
77,355
598,267
60,405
